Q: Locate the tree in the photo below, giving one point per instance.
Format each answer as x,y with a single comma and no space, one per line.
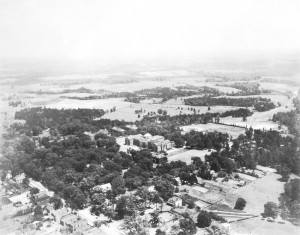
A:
271,210
164,188
26,181
26,145
154,221
34,191
284,213
38,213
109,212
144,194
125,206
160,232
179,142
135,225
57,202
118,185
157,200
187,226
240,204
203,219
36,130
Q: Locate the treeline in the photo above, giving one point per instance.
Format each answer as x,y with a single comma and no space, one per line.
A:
45,117
259,103
242,112
290,119
281,81
200,140
166,93
289,201
227,77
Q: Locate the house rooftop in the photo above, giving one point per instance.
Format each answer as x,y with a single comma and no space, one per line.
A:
61,212
132,127
118,129
69,218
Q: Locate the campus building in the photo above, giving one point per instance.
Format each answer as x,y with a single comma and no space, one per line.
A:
156,143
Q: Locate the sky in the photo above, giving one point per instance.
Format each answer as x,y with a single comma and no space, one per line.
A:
112,29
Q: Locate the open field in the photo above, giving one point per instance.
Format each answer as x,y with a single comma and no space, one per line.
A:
89,104
256,226
186,156
210,127
258,193
259,120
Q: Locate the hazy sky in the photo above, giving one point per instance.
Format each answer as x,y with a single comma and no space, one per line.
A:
138,28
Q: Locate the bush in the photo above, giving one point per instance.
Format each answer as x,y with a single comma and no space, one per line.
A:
221,174
240,204
271,210
217,217
190,204
160,232
203,219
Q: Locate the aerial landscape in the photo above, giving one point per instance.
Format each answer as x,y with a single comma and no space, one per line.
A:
159,139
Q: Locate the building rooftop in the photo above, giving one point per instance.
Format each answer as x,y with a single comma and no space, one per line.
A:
118,129
94,231
69,218
61,212
20,176
132,127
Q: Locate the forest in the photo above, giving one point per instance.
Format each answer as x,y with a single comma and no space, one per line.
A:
259,103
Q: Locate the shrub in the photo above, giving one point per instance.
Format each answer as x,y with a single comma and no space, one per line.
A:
217,217
240,203
203,219
271,210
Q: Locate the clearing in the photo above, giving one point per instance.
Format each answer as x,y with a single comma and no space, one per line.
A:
211,127
186,156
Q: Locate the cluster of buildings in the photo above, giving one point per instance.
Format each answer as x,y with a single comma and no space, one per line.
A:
156,143
14,201
73,222
18,203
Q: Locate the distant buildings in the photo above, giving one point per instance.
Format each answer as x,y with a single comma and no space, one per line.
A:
156,143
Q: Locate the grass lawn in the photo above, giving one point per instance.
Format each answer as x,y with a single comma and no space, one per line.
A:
186,156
